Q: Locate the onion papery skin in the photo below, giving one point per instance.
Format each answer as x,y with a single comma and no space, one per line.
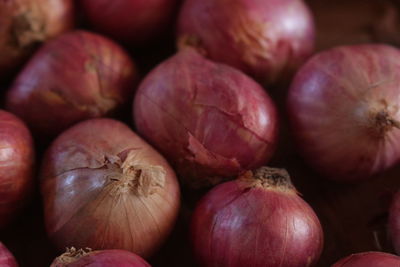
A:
343,107
17,160
267,39
27,23
79,75
99,258
256,222
6,258
103,187
129,21
211,121
369,259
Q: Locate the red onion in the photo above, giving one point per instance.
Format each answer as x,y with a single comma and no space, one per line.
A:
343,105
369,259
100,258
103,187
6,258
77,76
16,165
25,23
267,39
131,21
256,220
210,120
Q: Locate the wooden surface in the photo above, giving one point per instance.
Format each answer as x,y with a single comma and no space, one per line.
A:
353,216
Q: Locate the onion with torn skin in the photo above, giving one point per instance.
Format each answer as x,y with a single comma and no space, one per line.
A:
210,120
103,187
80,75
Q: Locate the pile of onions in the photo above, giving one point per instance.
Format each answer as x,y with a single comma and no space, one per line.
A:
267,39
369,259
256,220
344,109
16,165
6,258
210,120
77,76
25,23
100,258
129,21
394,222
105,188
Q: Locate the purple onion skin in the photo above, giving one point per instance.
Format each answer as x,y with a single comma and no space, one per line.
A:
78,76
211,121
102,258
115,18
17,158
6,258
239,224
369,259
266,39
343,107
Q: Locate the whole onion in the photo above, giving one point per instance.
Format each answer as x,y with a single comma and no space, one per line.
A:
344,109
369,259
267,39
256,220
100,258
210,120
16,165
129,21
26,23
6,258
103,187
77,76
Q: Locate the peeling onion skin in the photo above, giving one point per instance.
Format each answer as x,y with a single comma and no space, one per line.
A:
80,75
267,39
394,222
256,222
103,187
210,121
129,21
343,107
26,23
6,258
369,259
16,166
99,258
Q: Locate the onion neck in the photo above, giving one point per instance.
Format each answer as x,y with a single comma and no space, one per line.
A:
269,178
126,176
71,255
383,123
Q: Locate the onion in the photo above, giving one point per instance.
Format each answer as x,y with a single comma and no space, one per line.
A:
267,39
103,187
77,76
210,120
343,105
25,23
100,258
6,258
369,259
256,220
130,21
16,166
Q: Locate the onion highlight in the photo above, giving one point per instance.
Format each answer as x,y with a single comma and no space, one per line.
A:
6,258
105,188
210,120
369,259
256,220
344,110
